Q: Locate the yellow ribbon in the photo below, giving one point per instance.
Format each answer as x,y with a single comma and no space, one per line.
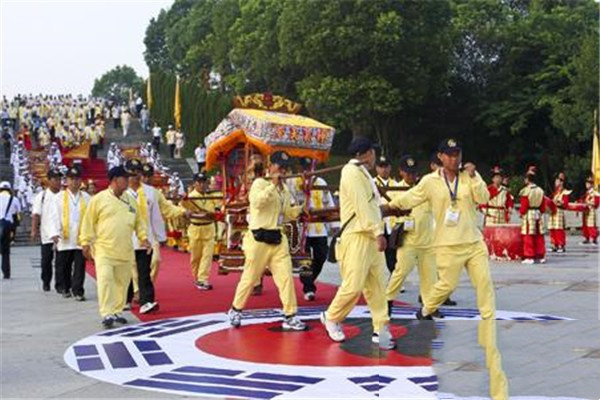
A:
142,204
66,214
317,198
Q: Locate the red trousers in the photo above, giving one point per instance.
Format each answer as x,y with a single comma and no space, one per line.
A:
534,246
558,237
589,232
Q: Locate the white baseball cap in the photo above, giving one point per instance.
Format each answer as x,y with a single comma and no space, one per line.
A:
5,185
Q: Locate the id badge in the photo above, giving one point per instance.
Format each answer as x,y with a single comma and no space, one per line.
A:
452,217
409,224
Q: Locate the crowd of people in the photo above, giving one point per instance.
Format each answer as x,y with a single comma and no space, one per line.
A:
430,221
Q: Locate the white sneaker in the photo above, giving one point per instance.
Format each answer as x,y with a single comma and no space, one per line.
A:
527,261
385,339
334,330
293,324
235,318
542,261
309,296
149,306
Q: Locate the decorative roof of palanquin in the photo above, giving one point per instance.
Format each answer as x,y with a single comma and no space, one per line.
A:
270,131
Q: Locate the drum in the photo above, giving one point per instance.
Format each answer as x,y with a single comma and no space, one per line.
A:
504,241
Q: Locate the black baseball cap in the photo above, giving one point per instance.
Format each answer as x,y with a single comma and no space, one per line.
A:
116,172
361,145
305,162
408,164
383,162
281,158
133,166
449,145
54,173
147,170
74,172
200,177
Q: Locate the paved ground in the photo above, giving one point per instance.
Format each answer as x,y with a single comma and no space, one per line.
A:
551,359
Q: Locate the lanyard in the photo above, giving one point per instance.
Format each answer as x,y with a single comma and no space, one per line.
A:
453,194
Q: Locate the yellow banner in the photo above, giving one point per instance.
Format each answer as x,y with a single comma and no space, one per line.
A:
596,152
149,92
177,111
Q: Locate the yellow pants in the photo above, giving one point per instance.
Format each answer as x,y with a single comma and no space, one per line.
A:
202,247
112,277
361,268
257,257
450,261
135,278
487,333
155,263
406,259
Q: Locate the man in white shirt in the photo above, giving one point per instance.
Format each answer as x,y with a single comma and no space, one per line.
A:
200,155
43,215
145,119
9,207
384,180
156,136
316,236
147,203
71,204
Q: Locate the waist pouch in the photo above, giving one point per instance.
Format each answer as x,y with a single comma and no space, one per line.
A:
269,236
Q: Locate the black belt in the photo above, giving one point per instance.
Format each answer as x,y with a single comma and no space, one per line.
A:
201,223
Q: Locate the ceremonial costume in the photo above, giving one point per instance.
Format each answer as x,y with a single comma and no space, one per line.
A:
532,208
201,235
556,222
589,228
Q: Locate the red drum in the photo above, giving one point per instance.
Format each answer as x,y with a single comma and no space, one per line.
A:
504,241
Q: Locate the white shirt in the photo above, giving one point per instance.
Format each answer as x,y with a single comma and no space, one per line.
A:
156,131
153,217
315,229
200,154
74,219
44,204
5,212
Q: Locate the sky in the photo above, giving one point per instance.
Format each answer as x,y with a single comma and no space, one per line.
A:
60,47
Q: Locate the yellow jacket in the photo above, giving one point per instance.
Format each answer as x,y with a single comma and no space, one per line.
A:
422,233
432,188
109,223
268,203
358,196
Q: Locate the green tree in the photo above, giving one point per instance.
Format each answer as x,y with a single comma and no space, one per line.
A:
116,83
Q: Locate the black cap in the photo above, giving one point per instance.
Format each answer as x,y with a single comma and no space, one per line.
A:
74,172
54,173
449,145
133,166
281,158
408,164
361,145
305,162
147,170
200,177
116,172
383,162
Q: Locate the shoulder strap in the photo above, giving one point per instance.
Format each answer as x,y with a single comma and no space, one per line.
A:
8,206
346,224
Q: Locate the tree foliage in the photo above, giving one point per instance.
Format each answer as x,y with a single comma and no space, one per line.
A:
116,83
516,80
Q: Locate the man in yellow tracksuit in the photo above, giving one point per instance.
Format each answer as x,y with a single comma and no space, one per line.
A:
201,231
360,248
454,196
110,220
417,240
265,244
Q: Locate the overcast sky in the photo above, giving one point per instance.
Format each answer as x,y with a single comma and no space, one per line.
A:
57,47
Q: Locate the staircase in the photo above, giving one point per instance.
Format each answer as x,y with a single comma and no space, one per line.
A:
135,136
